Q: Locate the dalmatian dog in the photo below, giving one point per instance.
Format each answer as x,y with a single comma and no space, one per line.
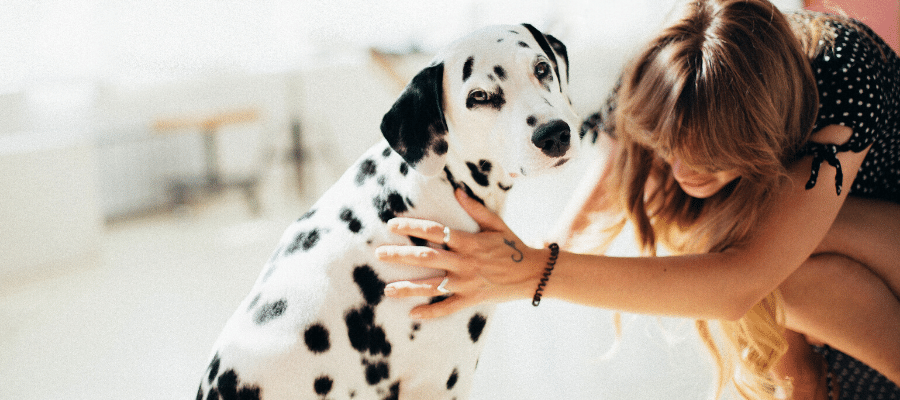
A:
491,107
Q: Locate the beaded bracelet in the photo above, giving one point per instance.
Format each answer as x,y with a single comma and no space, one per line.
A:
554,254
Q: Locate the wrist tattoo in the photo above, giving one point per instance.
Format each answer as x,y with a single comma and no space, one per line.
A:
512,245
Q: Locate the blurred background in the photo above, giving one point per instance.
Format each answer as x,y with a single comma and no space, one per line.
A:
152,152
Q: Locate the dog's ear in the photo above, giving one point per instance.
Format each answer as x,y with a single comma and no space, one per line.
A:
552,47
415,125
560,49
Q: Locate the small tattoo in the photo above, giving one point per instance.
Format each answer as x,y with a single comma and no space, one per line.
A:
512,244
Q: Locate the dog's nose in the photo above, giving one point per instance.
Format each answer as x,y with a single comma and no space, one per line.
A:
552,138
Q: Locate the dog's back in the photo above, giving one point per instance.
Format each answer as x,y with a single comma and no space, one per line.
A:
316,324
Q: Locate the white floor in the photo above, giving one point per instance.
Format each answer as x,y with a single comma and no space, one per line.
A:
137,320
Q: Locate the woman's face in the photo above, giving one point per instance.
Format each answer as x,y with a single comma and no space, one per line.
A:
700,184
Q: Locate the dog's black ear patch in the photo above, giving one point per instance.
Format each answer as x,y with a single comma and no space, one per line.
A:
415,126
560,50
545,46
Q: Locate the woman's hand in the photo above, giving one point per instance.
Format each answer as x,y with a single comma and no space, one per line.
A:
490,266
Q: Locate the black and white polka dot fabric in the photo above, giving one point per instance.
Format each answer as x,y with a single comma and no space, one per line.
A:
851,379
858,78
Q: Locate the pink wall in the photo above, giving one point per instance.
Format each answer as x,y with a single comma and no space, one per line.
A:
883,16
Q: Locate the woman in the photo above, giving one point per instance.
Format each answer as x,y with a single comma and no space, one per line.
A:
721,128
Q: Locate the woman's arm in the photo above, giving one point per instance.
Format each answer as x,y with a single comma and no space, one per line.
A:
586,204
705,286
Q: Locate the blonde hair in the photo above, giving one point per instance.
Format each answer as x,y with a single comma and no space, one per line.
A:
726,87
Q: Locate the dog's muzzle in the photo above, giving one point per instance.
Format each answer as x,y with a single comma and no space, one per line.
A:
553,138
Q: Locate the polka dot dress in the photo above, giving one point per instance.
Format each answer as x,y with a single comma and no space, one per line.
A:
858,78
859,87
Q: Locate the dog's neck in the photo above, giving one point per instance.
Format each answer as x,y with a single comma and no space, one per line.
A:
481,179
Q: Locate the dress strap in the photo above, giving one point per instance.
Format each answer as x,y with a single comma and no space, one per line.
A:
827,153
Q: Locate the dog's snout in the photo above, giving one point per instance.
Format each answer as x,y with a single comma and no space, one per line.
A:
552,138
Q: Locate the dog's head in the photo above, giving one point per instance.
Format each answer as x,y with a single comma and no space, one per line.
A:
499,93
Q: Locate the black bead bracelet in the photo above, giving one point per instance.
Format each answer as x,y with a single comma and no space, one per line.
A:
554,254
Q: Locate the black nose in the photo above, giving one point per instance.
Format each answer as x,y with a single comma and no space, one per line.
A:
552,138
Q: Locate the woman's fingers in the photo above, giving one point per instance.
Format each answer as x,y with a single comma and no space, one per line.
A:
437,286
420,228
419,256
431,231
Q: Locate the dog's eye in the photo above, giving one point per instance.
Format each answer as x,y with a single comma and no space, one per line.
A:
541,70
478,96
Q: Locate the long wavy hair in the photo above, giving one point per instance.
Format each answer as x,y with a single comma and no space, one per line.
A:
726,87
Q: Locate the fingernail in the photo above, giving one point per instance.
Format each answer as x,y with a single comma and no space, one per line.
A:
390,291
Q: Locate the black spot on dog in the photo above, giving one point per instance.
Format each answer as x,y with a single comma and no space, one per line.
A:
270,311
353,223
418,241
394,393
451,382
323,385
503,188
441,147
525,45
472,194
214,368
389,205
467,68
413,329
438,299
364,335
367,169
255,300
501,73
308,215
371,287
382,180
458,185
305,241
409,202
498,99
377,372
316,338
478,174
531,121
476,326
200,393
271,269
404,168
229,388
387,152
